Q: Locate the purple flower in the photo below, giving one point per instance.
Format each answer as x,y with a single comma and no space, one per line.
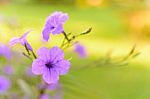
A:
4,84
22,40
54,24
45,96
8,70
50,64
80,50
5,51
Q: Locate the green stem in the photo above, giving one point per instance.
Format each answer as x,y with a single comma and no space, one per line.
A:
33,54
65,35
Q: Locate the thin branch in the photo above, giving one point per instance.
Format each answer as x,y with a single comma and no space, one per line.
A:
34,55
27,56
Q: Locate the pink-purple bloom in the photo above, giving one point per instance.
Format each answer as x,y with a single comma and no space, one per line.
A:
5,51
54,24
50,64
4,84
45,96
22,40
8,70
80,50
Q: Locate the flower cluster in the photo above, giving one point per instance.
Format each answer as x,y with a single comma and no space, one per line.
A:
50,63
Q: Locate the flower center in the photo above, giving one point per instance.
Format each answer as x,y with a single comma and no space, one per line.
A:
52,27
49,65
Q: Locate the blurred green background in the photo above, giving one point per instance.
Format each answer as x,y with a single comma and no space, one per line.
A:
117,26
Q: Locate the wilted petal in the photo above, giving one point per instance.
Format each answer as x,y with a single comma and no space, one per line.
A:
62,66
50,76
14,40
38,67
56,54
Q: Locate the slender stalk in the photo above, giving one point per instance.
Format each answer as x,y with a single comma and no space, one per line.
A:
130,52
33,54
27,49
62,43
65,45
65,35
27,56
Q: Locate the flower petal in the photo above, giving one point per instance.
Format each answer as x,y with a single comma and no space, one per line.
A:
13,41
43,53
46,32
58,29
62,66
28,46
63,17
25,34
50,76
54,24
56,54
38,67
52,19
